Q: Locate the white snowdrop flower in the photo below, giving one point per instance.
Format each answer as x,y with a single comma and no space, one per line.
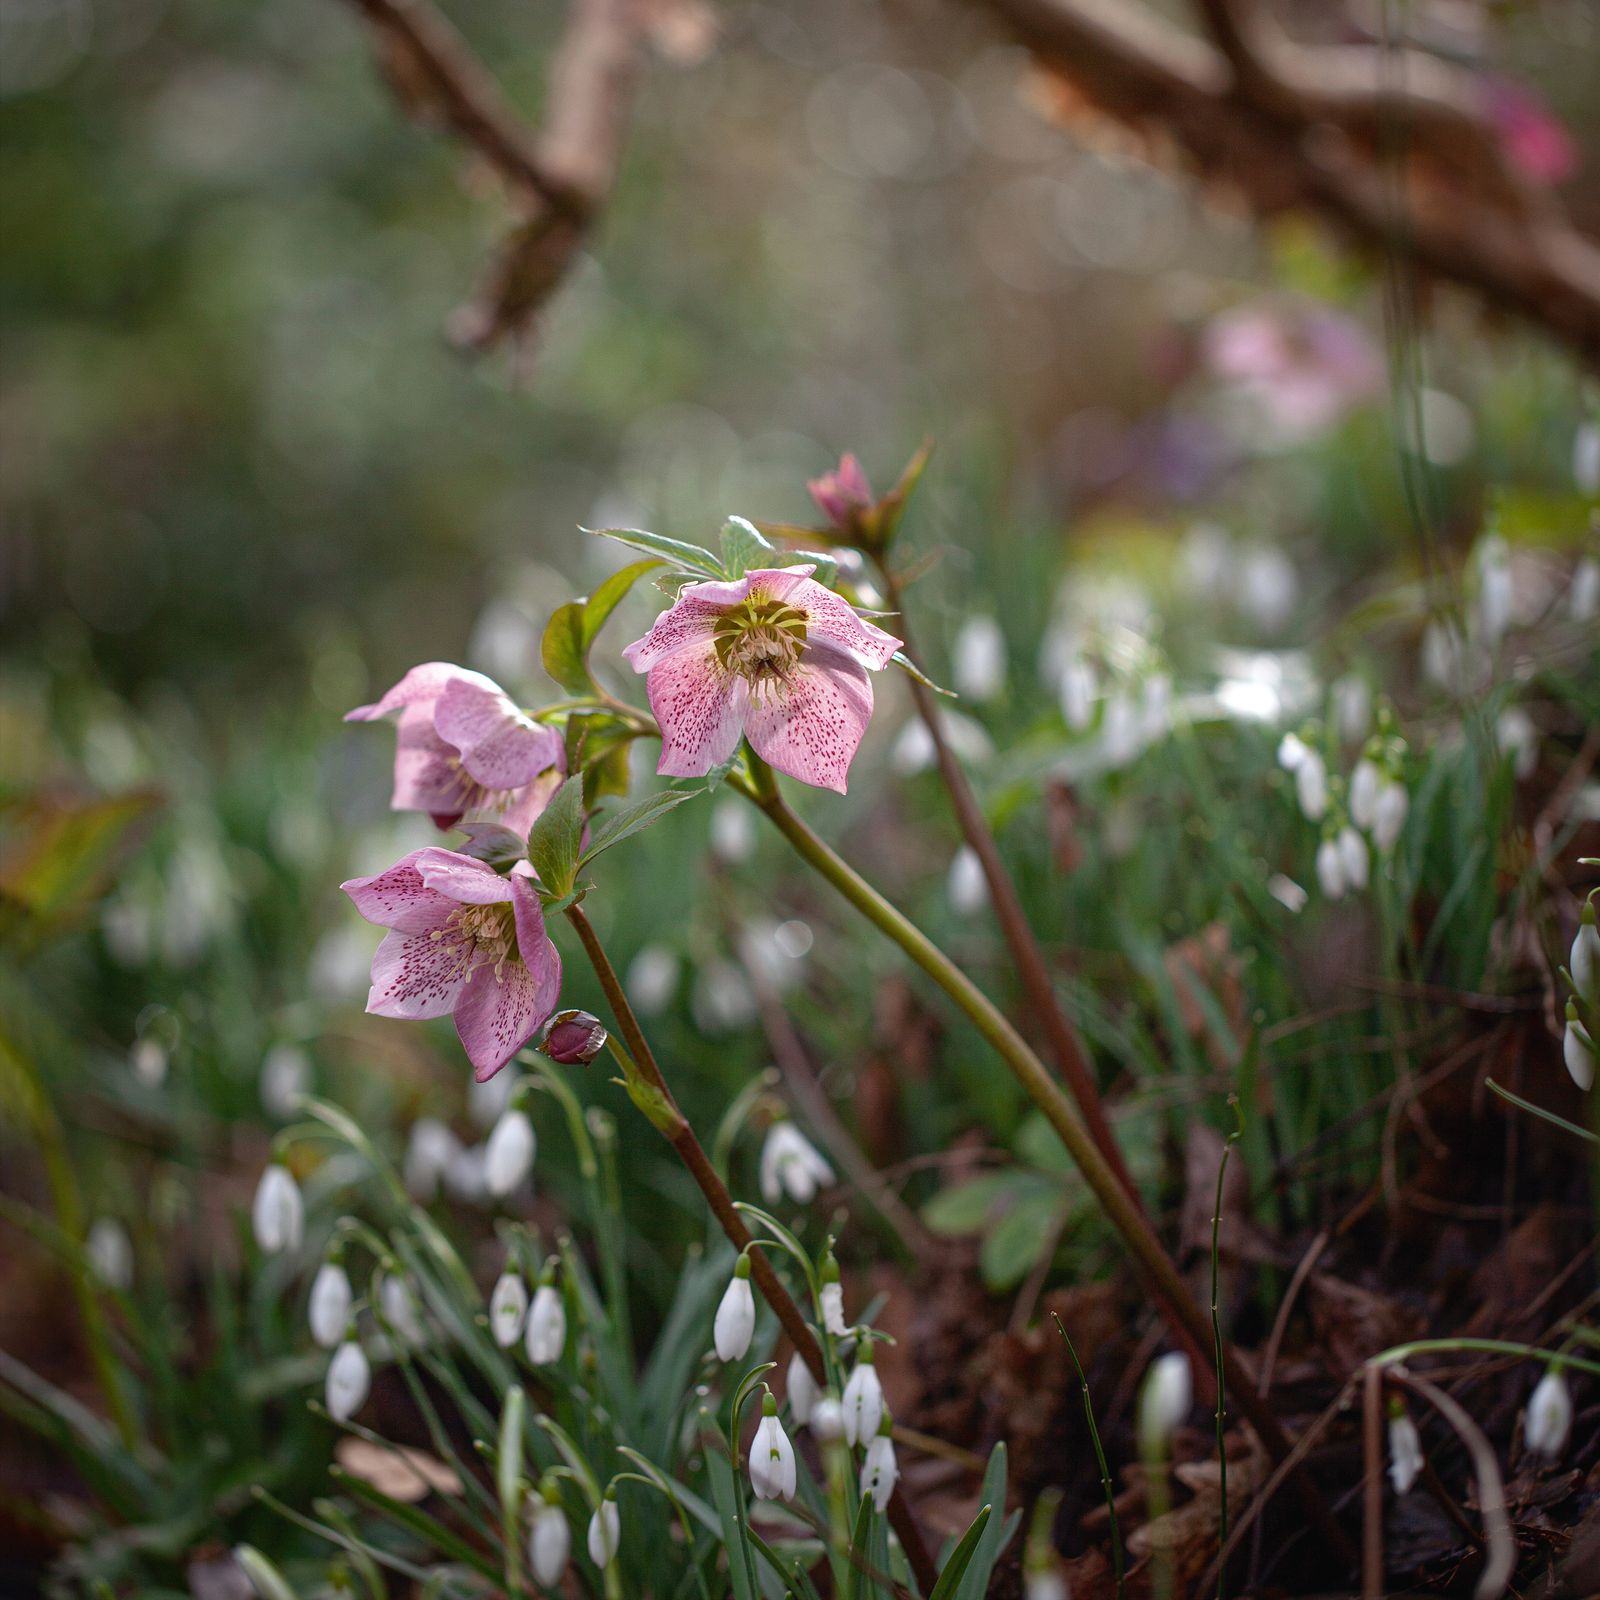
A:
1365,782
508,1154
733,831
1076,693
110,1253
349,1380
1268,588
605,1532
1518,738
827,1419
1165,1400
775,950
833,1298
1287,893
1549,1415
285,1076
1494,589
792,1165
1206,553
399,1309
1583,593
880,1471
1584,960
863,1398
148,1059
1330,869
980,659
802,1390
1405,1452
1577,1050
328,1311
487,1101
1351,707
772,1471
1389,815
1119,728
965,884
467,1176
914,752
508,1306
722,1001
278,1213
549,1542
430,1149
1292,752
1044,1584
652,980
547,1326
735,1321
1353,855
1155,709
1311,786
1586,458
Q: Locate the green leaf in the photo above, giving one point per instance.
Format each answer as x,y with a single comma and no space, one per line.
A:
996,1533
632,819
966,1208
556,836
1019,1238
686,557
264,1577
725,1496
906,664
573,628
860,1557
488,841
744,548
961,1557
827,573
508,1468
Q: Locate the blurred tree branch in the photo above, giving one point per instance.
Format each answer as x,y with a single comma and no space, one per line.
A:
1392,146
559,178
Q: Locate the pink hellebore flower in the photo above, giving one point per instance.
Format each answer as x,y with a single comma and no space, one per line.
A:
465,750
842,493
773,656
462,939
1535,141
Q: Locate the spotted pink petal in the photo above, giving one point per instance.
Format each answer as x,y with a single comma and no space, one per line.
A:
466,880
520,809
828,616
421,685
811,727
427,771
398,898
415,976
499,746
700,707
500,1010
539,954
685,625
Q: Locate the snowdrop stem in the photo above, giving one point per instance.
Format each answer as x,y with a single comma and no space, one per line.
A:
1125,1216
692,1153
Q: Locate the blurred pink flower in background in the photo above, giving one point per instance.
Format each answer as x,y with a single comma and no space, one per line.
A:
464,750
1535,141
1300,368
842,493
462,940
772,656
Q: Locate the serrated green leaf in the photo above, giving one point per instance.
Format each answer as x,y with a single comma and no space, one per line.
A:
687,557
572,629
632,819
743,547
555,839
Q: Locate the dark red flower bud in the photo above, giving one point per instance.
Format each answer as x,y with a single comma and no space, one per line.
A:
573,1038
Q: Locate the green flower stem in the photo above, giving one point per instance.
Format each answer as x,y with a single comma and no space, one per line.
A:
675,1127
1125,1216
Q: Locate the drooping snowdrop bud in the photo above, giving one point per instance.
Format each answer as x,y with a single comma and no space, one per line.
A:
508,1156
792,1165
827,1419
278,1214
398,1307
980,659
1044,1583
549,1539
148,1058
652,980
736,1316
429,1151
605,1531
110,1253
349,1380
1292,752
285,1075
1164,1401
1351,707
1289,894
1330,869
1549,1415
863,1398
1077,694
802,1390
1405,1449
547,1322
1365,782
1583,594
467,1176
1311,786
966,885
1353,857
487,1100
880,1471
508,1307
833,1298
1518,737
733,831
1389,815
329,1308
1584,961
772,1471
1577,1050
573,1038
1494,588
